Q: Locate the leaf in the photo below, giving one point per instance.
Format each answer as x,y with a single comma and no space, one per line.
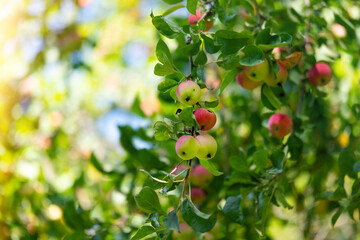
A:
209,43
280,198
200,59
166,85
277,158
166,27
163,53
335,217
269,99
356,167
260,158
191,6
210,167
148,201
263,36
187,116
171,221
228,78
239,163
253,56
231,41
280,40
172,1
191,49
212,104
199,221
232,209
95,162
295,146
291,60
162,131
172,9
163,70
346,163
143,232
356,110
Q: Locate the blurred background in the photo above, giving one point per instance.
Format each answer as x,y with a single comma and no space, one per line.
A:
71,72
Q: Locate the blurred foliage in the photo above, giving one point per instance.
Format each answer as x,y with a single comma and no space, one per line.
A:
79,99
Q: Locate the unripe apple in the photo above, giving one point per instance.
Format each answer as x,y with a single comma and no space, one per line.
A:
205,118
280,125
245,82
338,30
193,20
258,72
200,177
281,76
186,233
207,147
320,74
188,92
186,147
197,195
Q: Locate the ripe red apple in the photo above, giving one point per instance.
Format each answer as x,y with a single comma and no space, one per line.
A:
281,76
320,74
200,177
197,195
245,82
205,118
188,92
207,147
186,147
258,72
193,20
280,125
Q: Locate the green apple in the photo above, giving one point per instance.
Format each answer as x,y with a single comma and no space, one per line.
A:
186,147
188,92
258,72
207,147
245,82
281,76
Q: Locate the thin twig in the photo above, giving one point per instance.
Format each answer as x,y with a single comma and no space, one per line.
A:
257,13
184,186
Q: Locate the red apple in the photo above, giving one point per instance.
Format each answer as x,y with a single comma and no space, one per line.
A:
201,177
280,125
205,118
197,195
193,20
320,74
245,82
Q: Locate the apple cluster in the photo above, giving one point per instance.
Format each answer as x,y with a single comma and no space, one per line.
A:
203,145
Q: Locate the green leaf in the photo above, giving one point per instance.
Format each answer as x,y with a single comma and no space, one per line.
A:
346,163
253,56
281,199
199,221
187,116
126,139
212,104
232,41
200,59
269,99
163,53
172,9
356,167
76,218
162,131
191,6
166,85
209,43
171,221
163,70
78,235
277,158
227,14
273,41
148,201
335,217
263,36
228,78
260,158
143,232
202,24
172,1
191,49
210,167
95,162
232,209
166,27
295,146
239,163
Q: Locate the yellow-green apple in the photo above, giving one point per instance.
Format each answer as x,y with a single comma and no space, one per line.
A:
281,76
197,195
245,82
200,177
186,233
257,72
320,74
205,118
338,30
193,20
186,147
207,147
188,92
280,125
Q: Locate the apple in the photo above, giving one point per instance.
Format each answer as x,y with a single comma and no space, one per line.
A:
320,74
186,147
281,76
197,195
186,233
200,177
188,92
205,118
258,72
193,20
207,147
245,82
280,125
338,30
